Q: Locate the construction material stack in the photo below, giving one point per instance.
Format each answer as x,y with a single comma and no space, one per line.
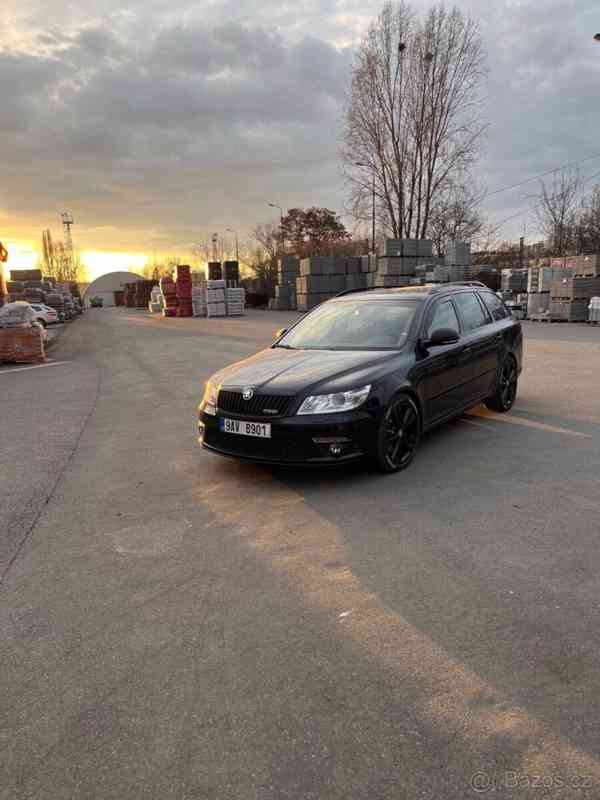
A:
594,311
21,337
539,283
155,305
214,272
143,290
199,301
398,264
168,292
215,299
231,274
288,270
571,296
489,275
183,286
458,261
321,278
235,300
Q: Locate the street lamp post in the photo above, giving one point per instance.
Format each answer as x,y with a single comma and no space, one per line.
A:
237,249
275,205
368,166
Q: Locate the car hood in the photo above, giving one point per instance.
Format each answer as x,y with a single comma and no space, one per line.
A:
281,371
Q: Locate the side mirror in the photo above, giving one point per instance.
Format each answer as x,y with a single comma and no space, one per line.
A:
280,333
441,337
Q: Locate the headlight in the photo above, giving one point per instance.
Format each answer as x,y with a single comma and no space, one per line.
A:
209,401
330,403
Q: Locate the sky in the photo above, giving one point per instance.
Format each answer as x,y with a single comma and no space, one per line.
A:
157,123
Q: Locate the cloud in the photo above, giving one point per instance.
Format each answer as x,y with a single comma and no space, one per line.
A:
165,121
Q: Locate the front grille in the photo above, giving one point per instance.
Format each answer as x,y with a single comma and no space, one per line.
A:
234,403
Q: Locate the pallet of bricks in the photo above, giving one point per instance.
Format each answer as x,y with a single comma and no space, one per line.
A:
21,337
408,262
198,294
324,277
183,288
539,283
168,292
288,271
215,298
571,296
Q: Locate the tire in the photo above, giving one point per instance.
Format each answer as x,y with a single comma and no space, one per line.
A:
505,395
398,435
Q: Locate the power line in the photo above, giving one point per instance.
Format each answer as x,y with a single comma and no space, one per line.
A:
536,205
541,175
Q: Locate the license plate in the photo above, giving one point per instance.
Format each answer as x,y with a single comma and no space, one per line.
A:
243,428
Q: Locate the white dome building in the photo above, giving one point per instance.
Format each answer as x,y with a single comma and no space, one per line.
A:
106,285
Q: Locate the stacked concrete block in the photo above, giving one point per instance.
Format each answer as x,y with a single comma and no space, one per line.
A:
594,310
215,299
457,273
458,254
417,248
441,274
235,300
514,280
368,263
356,282
288,270
587,265
538,303
285,297
394,265
318,265
199,301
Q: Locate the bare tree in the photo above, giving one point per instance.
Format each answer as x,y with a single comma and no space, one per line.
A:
457,215
557,210
413,120
268,236
588,226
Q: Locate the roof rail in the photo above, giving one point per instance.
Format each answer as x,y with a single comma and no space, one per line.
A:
353,291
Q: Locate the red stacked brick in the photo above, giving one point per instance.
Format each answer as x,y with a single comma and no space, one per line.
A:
21,345
183,280
169,293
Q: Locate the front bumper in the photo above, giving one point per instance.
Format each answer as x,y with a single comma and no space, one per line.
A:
339,438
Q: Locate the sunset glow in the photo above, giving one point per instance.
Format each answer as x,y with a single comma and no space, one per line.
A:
98,263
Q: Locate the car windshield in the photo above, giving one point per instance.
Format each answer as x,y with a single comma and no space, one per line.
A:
354,325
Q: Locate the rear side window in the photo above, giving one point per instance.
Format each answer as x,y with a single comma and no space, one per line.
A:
495,306
444,316
471,311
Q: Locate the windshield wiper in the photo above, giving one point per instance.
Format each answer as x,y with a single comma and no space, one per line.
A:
285,346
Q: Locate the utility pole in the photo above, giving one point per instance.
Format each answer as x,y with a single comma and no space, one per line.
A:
215,239
67,221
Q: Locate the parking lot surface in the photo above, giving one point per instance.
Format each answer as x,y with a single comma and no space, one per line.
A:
176,625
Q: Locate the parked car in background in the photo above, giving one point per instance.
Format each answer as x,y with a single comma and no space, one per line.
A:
44,314
365,375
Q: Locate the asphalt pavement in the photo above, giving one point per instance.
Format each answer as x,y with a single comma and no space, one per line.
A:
176,625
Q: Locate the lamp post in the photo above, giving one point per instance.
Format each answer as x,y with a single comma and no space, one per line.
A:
368,166
237,249
275,205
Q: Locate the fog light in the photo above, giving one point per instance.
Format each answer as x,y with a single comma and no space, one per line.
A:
335,449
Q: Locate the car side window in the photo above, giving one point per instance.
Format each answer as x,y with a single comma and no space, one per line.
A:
471,311
444,316
494,305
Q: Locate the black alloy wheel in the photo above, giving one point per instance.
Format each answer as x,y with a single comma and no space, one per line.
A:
399,435
506,391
